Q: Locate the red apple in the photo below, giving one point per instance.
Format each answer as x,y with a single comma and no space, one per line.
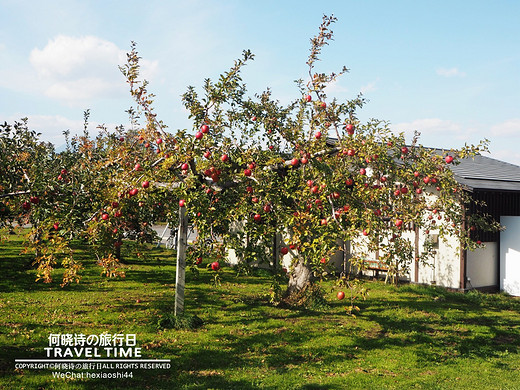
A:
267,208
315,189
182,203
247,172
323,260
121,139
448,159
224,158
350,129
257,217
398,222
404,150
34,199
310,183
366,232
304,160
159,141
351,152
322,105
404,190
198,260
416,174
349,182
119,213
147,145
362,171
284,250
115,204
324,222
336,195
295,162
249,189
185,166
137,167
104,216
145,184
418,191
308,98
426,180
56,226
207,154
198,135
317,135
340,295
215,266
204,129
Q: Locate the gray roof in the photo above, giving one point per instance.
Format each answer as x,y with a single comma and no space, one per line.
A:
486,173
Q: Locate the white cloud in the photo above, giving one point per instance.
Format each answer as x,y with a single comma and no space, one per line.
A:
335,88
510,127
52,127
369,87
428,126
451,72
76,70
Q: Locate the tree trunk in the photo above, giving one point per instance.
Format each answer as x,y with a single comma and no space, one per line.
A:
182,245
117,251
299,278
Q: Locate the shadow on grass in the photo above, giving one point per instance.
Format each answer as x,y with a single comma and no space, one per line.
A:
442,325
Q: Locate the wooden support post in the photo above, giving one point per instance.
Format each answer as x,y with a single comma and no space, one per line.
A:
276,250
416,252
182,245
346,257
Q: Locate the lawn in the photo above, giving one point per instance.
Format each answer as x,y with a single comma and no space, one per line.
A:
404,337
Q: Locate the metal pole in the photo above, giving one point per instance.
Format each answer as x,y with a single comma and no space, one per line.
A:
182,244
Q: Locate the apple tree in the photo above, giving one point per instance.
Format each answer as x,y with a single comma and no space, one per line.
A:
309,170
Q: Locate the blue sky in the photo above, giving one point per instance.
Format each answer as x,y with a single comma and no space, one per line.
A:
450,69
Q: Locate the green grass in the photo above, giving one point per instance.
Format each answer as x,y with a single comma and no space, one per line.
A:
405,337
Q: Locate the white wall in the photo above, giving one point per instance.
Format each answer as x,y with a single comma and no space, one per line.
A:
481,266
444,268
510,255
